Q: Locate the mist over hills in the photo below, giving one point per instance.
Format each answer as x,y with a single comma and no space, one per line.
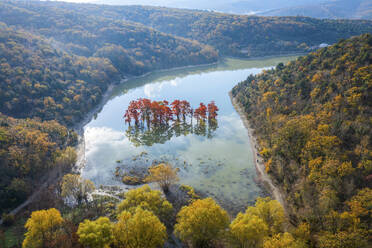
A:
334,9
346,9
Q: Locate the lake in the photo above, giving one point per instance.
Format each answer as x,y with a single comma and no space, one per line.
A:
216,160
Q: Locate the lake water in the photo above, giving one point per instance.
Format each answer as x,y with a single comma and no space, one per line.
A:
217,162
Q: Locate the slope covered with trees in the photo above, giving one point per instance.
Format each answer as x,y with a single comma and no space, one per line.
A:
39,80
242,35
28,149
231,35
132,47
312,119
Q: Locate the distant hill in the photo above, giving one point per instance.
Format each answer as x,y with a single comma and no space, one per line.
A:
337,9
334,9
231,35
242,35
83,32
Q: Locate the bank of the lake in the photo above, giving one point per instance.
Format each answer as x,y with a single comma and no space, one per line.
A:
263,177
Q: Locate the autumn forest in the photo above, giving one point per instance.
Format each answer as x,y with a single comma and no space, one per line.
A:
291,142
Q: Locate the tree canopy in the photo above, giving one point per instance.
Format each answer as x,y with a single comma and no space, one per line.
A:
147,199
42,227
139,228
163,174
76,188
312,120
201,223
96,234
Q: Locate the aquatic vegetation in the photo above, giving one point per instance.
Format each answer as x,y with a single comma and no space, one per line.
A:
132,180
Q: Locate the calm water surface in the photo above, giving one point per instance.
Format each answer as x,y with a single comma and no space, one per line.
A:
219,165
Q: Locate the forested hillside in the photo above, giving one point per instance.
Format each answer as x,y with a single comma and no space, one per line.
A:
242,35
312,118
90,26
132,47
28,149
39,80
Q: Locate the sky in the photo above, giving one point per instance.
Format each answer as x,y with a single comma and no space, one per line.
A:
232,6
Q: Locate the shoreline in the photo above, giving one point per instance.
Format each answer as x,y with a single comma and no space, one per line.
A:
266,56
258,161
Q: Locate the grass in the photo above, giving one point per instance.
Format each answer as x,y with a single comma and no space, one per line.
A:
13,235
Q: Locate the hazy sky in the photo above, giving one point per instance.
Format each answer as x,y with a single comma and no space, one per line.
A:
241,6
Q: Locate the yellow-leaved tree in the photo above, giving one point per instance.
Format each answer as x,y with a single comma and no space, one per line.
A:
96,234
67,158
343,230
248,230
76,187
164,175
361,204
271,212
139,229
251,228
147,199
42,228
283,240
201,223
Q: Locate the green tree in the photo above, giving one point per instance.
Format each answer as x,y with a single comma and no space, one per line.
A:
201,223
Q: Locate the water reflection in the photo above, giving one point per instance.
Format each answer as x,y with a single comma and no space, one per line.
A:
159,134
157,81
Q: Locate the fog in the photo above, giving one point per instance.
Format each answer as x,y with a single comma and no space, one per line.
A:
229,6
